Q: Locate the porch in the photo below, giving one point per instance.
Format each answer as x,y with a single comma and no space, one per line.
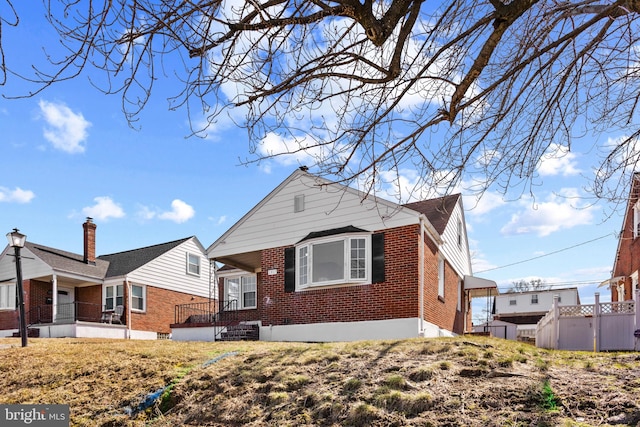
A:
75,319
607,326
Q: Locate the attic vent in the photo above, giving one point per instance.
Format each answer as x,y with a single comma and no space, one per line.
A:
298,203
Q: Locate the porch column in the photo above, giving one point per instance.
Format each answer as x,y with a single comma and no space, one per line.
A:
54,299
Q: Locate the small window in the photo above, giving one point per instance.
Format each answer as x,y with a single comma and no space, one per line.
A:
193,264
137,298
7,297
534,299
512,301
441,277
636,219
459,233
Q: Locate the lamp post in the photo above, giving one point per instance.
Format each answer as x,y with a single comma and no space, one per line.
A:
16,240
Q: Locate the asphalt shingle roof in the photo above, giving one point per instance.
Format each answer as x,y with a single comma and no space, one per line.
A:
122,263
438,210
68,261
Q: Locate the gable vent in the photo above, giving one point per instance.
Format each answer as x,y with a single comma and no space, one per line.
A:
298,203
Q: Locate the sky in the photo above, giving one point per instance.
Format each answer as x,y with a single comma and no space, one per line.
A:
69,153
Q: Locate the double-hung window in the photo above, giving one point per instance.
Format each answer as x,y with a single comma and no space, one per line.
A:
193,264
114,296
534,299
240,292
138,297
7,297
333,260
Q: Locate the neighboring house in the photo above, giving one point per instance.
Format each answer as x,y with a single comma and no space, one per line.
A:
318,261
498,329
525,309
71,295
624,282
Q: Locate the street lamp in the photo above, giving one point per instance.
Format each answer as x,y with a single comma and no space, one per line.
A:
16,240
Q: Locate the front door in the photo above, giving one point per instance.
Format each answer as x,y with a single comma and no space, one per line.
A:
66,307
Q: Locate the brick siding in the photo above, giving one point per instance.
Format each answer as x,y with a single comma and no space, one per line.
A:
626,262
160,311
396,298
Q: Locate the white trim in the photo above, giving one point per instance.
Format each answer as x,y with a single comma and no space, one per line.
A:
189,263
346,279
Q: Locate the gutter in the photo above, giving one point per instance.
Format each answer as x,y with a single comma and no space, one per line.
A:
421,276
128,284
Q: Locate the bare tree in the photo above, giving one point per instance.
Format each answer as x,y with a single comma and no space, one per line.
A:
531,285
475,91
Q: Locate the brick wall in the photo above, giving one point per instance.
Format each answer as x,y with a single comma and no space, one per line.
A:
626,262
396,298
441,311
160,309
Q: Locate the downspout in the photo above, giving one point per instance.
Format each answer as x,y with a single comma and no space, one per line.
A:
54,297
425,227
421,276
126,281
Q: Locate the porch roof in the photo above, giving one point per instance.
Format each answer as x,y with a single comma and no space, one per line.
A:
68,261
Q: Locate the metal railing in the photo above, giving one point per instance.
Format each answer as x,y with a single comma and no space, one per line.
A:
206,312
66,313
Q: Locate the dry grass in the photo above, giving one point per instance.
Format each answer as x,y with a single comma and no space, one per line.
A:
468,381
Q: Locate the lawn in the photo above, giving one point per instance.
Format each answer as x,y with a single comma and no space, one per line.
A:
472,381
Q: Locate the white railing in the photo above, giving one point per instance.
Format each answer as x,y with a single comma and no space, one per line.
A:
607,326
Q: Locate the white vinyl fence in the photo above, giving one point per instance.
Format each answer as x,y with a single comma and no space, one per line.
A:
607,326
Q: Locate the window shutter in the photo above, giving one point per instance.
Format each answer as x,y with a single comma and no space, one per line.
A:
377,258
289,269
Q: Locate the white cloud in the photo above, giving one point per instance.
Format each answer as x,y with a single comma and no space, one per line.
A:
558,160
104,209
66,130
558,212
284,151
483,203
219,220
16,196
180,212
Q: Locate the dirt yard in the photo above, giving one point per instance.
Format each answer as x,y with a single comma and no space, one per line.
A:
466,381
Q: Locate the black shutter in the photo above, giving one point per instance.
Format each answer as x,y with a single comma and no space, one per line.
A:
289,269
377,258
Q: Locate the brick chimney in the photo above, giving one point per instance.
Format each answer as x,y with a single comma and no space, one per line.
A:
89,241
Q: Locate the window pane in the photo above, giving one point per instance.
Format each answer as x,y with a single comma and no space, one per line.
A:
232,289
328,261
358,259
248,291
136,291
303,265
193,262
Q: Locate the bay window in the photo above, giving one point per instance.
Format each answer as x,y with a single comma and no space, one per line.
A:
339,259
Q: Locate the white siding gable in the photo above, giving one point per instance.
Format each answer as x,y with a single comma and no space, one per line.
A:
32,266
302,204
457,254
169,271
